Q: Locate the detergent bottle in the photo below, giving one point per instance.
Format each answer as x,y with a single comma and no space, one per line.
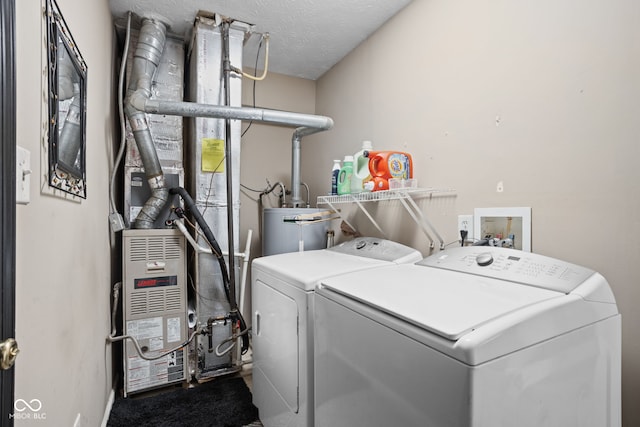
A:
335,171
384,165
344,177
361,174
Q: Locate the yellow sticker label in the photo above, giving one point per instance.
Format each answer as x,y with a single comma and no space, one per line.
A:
212,155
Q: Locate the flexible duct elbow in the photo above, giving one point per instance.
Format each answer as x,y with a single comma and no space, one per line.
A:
145,62
154,204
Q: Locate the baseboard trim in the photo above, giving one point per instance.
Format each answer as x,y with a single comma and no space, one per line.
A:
107,410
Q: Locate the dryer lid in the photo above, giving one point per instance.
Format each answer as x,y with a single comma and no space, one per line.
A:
446,303
304,270
381,249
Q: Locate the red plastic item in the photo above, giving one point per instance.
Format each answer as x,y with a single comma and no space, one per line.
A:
384,165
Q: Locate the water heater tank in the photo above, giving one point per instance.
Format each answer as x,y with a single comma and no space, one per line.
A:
281,235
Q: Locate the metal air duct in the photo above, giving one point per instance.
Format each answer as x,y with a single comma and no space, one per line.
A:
145,62
138,102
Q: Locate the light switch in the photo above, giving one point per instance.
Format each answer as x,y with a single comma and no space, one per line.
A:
23,175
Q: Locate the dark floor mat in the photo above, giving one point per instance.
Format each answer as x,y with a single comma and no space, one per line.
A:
222,402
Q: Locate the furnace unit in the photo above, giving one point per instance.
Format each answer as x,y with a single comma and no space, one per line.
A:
154,308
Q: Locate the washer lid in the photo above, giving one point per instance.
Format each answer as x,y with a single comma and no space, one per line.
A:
446,303
509,264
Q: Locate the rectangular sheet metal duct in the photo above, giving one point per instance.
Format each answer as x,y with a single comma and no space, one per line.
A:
207,175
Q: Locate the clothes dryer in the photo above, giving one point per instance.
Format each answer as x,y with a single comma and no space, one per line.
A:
282,292
469,337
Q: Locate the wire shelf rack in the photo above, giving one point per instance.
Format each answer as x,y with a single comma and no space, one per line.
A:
406,196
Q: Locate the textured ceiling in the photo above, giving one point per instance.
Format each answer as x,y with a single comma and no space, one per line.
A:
307,37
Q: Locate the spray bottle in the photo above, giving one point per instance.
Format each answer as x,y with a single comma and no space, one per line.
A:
334,177
361,173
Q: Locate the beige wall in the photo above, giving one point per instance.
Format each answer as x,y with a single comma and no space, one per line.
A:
63,247
540,95
266,150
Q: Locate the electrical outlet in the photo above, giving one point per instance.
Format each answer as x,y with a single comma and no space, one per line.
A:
465,222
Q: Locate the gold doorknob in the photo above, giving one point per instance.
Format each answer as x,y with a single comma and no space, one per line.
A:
8,352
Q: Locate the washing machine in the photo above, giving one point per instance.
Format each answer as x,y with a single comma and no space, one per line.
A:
282,292
468,337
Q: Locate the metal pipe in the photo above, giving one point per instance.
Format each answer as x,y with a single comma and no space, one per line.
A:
145,62
263,115
283,195
245,264
307,125
243,283
304,184
226,68
296,200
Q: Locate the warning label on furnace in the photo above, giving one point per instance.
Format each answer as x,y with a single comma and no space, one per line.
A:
173,329
212,155
145,328
142,374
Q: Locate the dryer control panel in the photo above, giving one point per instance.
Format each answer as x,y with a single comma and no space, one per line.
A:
381,249
512,265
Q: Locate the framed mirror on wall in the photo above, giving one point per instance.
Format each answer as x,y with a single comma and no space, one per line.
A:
67,102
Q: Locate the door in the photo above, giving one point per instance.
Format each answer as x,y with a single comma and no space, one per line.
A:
7,199
276,344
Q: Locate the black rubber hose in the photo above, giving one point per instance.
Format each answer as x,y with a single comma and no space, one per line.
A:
208,234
